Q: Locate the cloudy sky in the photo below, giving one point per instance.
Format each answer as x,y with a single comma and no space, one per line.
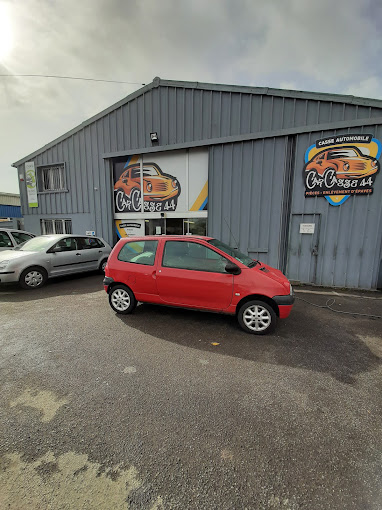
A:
326,45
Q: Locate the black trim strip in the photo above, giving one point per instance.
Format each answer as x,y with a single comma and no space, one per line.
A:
7,272
284,300
107,280
76,263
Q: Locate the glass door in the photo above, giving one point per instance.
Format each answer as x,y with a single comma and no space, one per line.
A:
174,226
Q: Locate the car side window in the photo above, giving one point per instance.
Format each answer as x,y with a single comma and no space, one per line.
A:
67,244
139,252
87,243
192,256
5,240
20,237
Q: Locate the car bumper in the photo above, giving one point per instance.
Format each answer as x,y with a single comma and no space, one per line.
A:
285,304
107,281
8,277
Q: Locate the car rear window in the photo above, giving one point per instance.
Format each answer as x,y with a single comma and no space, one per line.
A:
139,252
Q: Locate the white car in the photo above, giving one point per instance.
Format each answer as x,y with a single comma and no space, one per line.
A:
10,238
48,256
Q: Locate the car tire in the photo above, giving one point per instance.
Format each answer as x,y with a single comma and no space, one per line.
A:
122,299
257,317
102,266
135,197
33,278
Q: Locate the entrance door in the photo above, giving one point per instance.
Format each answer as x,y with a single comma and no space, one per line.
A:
303,247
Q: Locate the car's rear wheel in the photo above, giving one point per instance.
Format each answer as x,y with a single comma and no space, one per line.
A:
122,299
33,278
257,317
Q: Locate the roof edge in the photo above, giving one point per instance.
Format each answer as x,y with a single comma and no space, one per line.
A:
94,118
158,82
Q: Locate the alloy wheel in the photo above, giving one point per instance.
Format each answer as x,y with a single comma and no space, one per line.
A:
257,318
120,299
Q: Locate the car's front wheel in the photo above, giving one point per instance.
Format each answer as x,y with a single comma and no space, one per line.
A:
257,317
33,278
122,299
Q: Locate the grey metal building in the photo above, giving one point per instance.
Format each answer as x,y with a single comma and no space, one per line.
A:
293,177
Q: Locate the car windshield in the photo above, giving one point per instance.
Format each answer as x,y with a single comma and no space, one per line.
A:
147,172
233,252
350,153
38,244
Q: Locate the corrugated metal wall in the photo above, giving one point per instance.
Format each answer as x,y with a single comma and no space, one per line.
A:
350,237
246,176
246,196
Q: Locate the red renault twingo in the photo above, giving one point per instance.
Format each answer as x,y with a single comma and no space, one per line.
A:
197,272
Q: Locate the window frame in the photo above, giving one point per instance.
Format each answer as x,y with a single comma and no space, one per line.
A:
64,189
140,241
199,244
10,238
53,220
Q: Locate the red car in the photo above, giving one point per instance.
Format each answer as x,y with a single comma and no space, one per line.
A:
197,272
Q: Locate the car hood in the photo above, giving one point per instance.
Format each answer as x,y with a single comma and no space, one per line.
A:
273,273
12,255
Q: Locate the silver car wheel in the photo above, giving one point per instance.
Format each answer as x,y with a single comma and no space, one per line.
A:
120,299
33,279
103,266
257,318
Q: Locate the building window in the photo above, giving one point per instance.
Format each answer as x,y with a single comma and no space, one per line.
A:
51,178
56,227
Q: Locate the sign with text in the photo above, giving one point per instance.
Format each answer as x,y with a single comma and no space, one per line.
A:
339,166
30,177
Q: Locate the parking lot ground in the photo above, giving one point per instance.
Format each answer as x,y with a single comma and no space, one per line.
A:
177,409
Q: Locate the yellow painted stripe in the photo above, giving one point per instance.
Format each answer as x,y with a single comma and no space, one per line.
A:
201,198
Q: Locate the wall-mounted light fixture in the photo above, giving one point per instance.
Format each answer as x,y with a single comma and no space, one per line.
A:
154,137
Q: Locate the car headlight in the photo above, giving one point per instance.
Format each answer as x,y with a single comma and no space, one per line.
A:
174,183
374,163
149,186
346,166
4,264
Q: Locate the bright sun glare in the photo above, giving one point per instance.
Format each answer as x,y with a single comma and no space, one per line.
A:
6,39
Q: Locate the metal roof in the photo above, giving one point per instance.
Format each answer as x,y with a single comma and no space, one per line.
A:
157,82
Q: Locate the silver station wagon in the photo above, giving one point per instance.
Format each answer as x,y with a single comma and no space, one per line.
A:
48,256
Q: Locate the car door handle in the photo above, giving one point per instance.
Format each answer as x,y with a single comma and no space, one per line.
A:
99,251
78,254
154,275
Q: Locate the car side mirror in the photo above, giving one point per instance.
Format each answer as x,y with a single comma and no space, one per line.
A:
232,268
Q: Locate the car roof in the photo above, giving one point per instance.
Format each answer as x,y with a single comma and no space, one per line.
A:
6,229
167,237
65,236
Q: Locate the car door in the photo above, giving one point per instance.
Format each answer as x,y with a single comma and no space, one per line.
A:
135,266
64,257
193,275
90,249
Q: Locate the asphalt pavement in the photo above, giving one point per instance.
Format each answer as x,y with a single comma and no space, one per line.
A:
177,409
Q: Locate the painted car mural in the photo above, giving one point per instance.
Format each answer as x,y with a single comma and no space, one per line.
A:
347,162
160,190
